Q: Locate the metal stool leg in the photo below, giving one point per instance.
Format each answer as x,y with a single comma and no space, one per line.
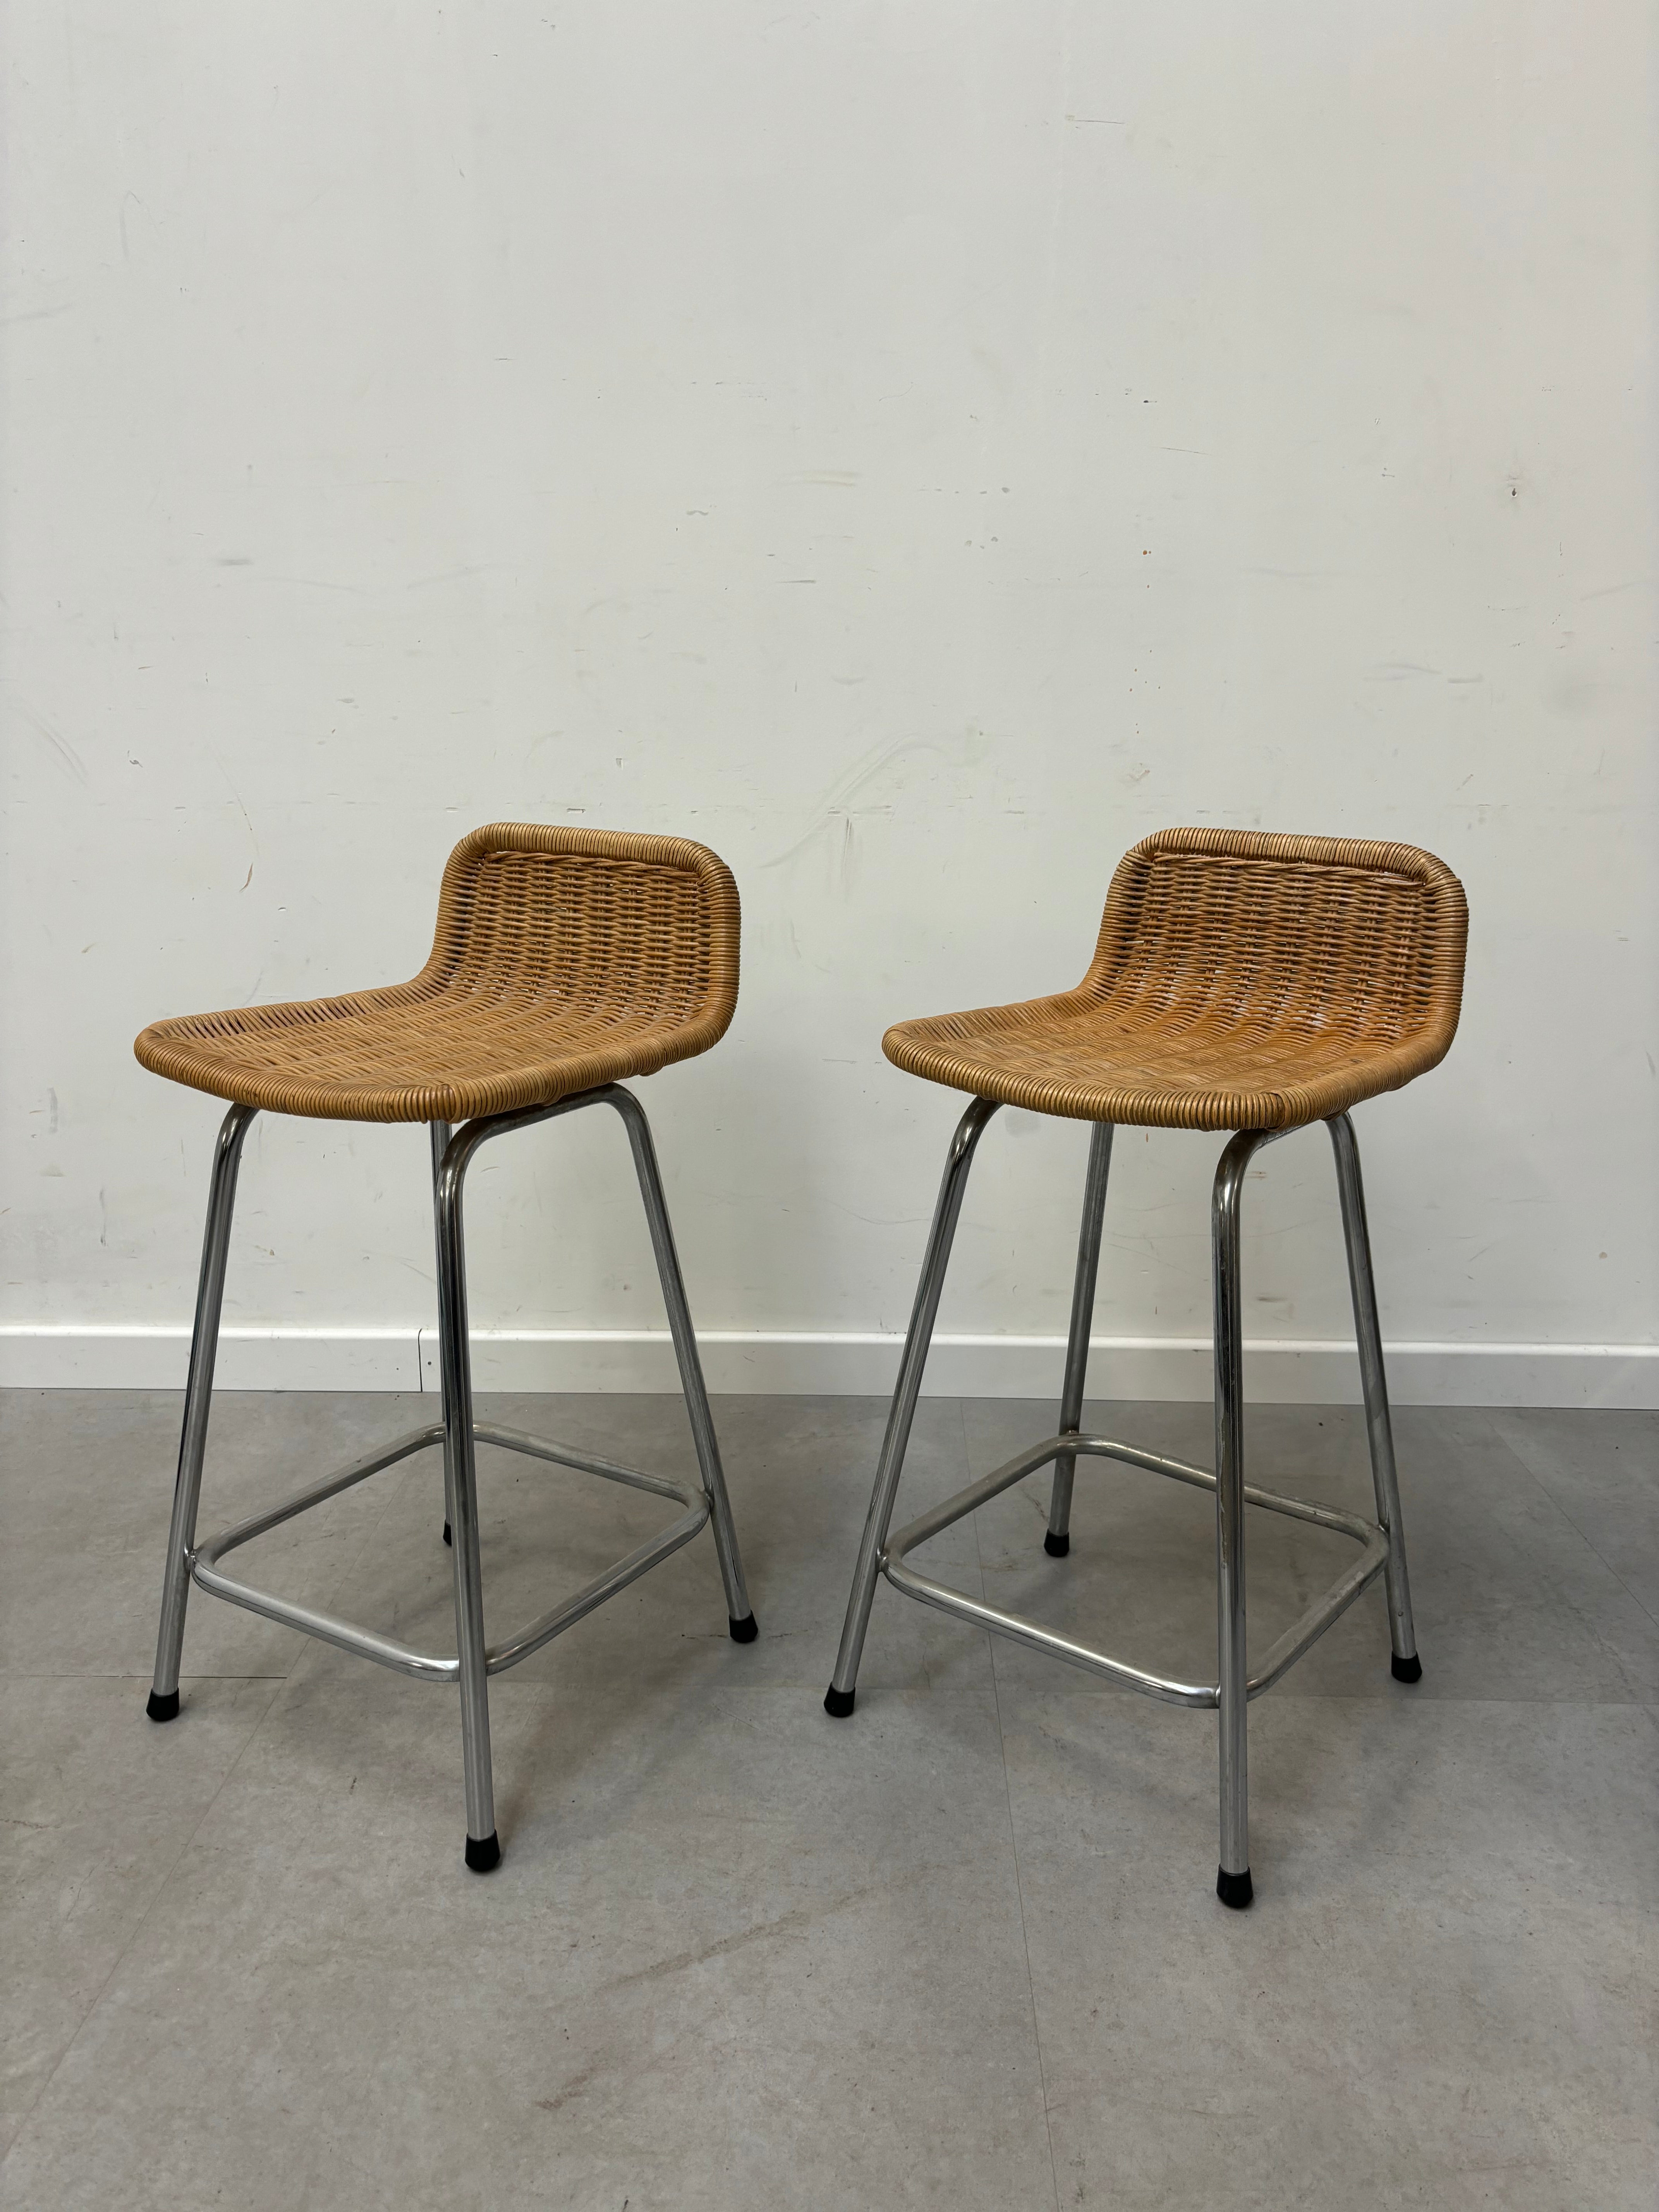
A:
1058,1541
740,1616
1407,1667
1233,1877
484,1848
198,1401
474,1661
198,1396
838,1698
442,1134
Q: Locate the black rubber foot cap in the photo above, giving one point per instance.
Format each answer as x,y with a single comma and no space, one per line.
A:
163,1708
448,1539
1407,1670
838,1703
1234,1889
1057,1547
482,1856
744,1631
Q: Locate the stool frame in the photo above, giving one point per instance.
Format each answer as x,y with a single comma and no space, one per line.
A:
460,1433
1382,1542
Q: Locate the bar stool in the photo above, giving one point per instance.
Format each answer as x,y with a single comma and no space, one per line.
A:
1240,983
564,960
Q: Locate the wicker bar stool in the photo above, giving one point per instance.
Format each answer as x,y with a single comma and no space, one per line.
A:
1240,983
565,961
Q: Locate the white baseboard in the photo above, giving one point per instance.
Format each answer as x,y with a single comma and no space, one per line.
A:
59,1356
843,1363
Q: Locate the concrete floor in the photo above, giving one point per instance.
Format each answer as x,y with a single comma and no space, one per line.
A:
962,1951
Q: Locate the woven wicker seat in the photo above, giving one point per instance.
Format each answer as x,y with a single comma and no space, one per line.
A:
564,958
1241,982
565,961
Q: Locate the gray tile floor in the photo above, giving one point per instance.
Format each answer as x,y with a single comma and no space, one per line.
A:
961,1951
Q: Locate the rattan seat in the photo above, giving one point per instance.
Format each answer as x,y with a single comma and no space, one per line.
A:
563,959
1241,982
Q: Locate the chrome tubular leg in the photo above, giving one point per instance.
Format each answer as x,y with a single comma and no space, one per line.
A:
740,1614
441,1132
1233,1877
198,1396
1058,1541
1407,1667
838,1698
484,1850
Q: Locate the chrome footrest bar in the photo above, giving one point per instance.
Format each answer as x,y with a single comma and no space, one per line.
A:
1382,1543
386,1651
316,1493
1372,1539
488,1432
704,1499
500,1656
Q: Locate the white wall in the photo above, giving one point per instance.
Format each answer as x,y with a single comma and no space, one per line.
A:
915,448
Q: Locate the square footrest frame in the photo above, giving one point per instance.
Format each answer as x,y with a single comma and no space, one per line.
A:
1373,1558
386,1651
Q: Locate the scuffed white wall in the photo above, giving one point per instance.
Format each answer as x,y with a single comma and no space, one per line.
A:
915,448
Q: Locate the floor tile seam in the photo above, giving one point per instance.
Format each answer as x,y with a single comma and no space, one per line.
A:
1583,1534
1637,1704
122,1674
1013,1851
1026,1945
1072,1682
1586,1540
1550,1497
1521,1445
161,1883
1592,1628
911,1685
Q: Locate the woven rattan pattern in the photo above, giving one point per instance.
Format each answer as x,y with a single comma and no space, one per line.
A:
1241,982
564,958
